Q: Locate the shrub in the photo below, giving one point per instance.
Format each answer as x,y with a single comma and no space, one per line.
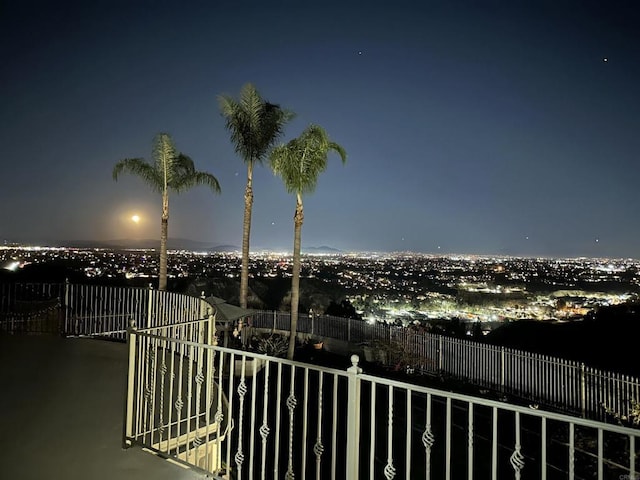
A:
274,345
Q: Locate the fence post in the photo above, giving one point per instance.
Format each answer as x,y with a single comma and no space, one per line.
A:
127,433
583,390
349,330
149,307
273,330
353,418
440,344
67,294
203,306
211,328
502,368
313,323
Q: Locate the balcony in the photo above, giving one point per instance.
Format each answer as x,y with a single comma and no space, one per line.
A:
62,412
193,402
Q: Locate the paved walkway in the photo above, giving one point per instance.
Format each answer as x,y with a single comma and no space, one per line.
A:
61,413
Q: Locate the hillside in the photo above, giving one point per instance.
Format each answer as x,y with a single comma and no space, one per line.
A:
607,339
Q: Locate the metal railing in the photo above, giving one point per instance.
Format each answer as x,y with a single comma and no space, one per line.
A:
420,432
107,311
90,310
567,385
236,413
174,405
292,420
30,308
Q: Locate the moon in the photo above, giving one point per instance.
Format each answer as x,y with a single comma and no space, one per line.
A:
135,218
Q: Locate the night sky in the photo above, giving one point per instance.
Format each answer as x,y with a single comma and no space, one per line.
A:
469,129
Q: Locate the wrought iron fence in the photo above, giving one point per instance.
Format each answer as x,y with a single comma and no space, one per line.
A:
107,311
540,379
567,385
30,308
290,420
237,413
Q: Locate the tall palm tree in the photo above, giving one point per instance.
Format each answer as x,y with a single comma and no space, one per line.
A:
255,125
299,163
170,170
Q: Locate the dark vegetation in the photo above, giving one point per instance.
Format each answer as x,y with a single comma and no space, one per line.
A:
607,338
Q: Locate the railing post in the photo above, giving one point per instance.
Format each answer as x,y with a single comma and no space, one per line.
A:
67,294
583,390
203,306
502,368
127,433
211,327
313,324
149,307
273,330
353,418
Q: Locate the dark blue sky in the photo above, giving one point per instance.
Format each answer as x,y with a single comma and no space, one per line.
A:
469,129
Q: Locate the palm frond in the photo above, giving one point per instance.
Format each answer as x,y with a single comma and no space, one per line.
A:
186,176
171,170
195,179
254,124
283,163
165,157
140,168
303,159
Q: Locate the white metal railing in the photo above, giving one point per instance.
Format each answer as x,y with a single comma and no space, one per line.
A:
232,412
174,405
567,385
420,432
540,379
291,420
107,311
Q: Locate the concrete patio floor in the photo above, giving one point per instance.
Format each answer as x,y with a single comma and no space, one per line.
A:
61,413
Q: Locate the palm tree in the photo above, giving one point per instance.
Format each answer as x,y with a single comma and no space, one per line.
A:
299,163
255,125
170,170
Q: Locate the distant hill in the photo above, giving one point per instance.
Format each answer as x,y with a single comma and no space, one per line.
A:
147,243
322,249
224,248
173,244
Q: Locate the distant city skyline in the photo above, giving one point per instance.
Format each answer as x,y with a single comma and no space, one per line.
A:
470,129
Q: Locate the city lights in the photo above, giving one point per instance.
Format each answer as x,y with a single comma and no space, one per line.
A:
404,289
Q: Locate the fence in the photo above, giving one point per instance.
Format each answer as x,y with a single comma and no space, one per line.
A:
567,385
234,413
30,308
108,311
539,379
288,420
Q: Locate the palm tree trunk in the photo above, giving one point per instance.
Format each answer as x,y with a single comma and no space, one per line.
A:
164,235
246,233
298,219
